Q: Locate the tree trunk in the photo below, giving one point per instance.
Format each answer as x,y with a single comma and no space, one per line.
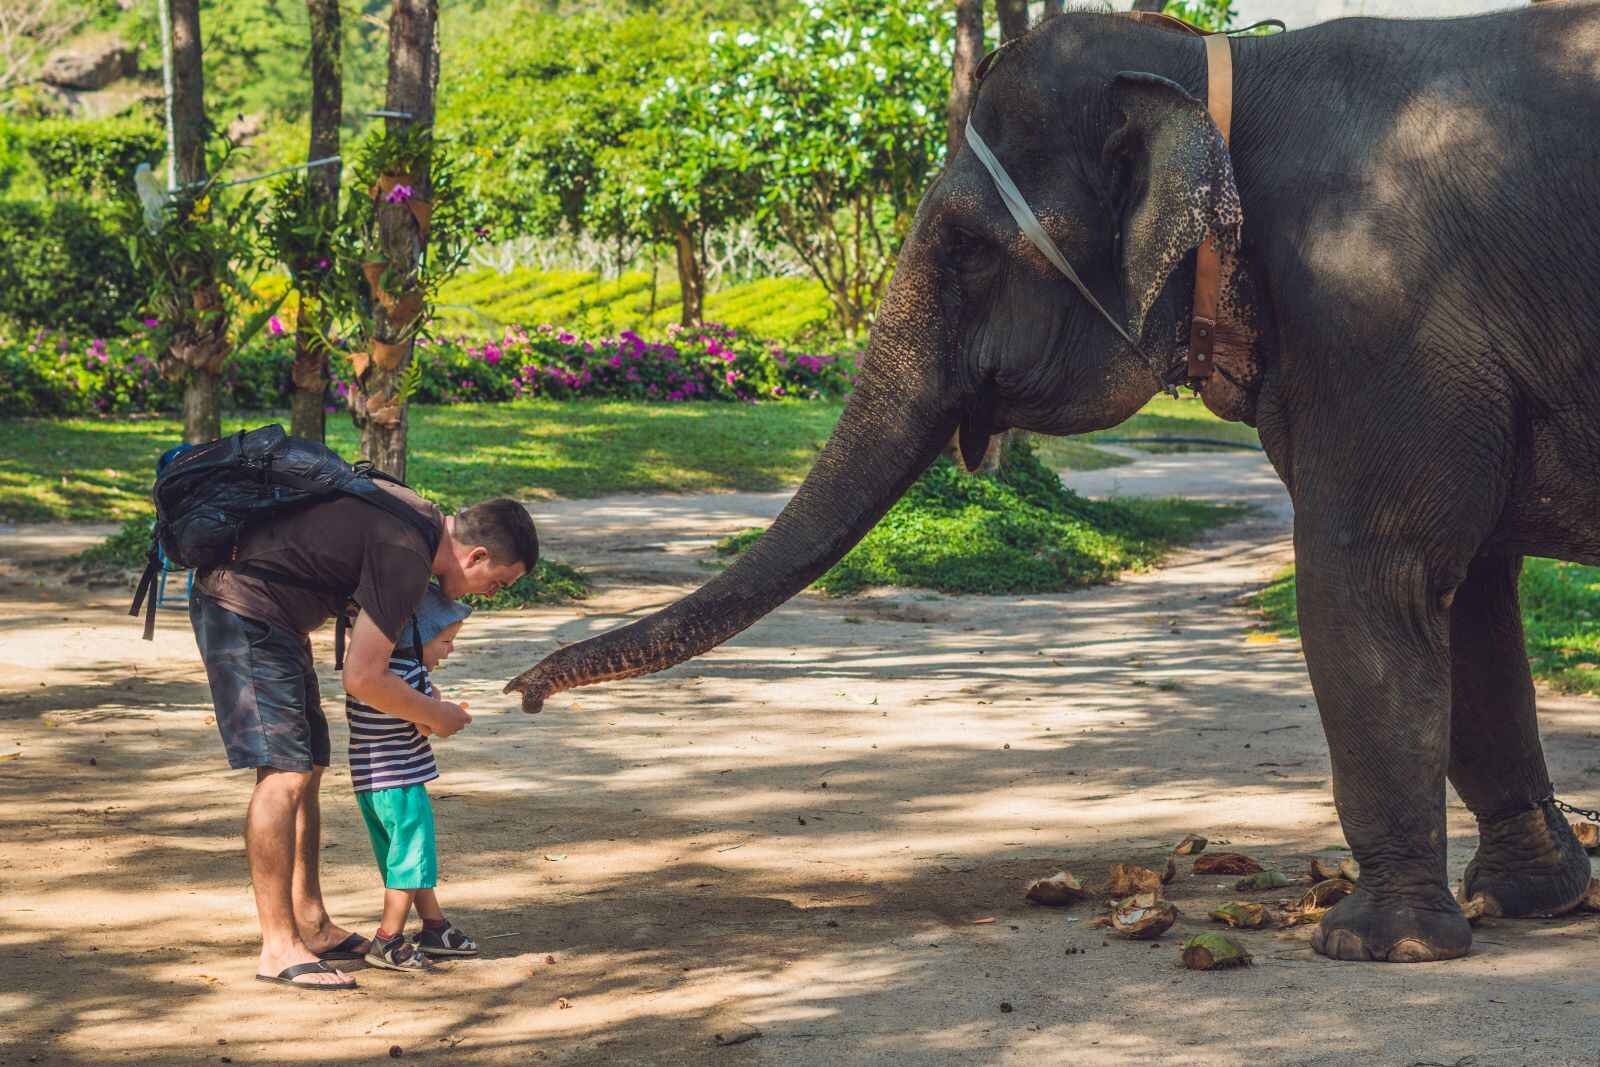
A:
1013,18
308,405
199,345
969,49
691,277
379,409
1051,7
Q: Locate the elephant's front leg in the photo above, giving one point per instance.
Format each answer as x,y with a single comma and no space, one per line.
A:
1528,861
1377,645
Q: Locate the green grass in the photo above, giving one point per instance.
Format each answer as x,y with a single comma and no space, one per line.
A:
1560,620
1019,532
1185,417
1071,454
93,469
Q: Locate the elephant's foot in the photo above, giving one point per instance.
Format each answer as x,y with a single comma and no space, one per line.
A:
1529,864
1364,927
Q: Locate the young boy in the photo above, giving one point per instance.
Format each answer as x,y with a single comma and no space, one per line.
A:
390,759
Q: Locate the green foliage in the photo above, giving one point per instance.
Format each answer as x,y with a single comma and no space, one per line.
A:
550,583
63,266
1560,620
97,469
1019,532
89,157
1206,14
127,549
545,98
837,112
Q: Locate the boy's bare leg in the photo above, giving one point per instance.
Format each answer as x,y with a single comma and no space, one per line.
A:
428,907
396,909
310,914
269,841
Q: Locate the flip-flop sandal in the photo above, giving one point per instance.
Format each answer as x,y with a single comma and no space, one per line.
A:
288,975
353,947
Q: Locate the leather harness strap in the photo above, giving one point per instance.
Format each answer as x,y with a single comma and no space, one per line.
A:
1208,260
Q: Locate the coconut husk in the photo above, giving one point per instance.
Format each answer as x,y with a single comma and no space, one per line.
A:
1191,845
1262,880
1588,835
1213,952
1591,896
1056,891
1475,909
1243,915
1128,879
1226,863
1326,893
1143,917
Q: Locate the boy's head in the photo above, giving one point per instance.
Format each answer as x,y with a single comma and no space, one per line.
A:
486,548
438,621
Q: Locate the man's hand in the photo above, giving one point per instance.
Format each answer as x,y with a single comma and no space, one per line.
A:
452,718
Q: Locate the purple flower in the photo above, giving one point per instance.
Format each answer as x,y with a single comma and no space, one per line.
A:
398,195
323,264
275,327
151,324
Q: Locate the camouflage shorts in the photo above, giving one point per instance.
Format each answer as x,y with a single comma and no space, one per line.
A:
269,707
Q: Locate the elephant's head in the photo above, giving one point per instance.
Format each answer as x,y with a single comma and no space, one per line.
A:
977,331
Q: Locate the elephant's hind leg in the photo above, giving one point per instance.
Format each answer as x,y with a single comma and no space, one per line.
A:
1528,861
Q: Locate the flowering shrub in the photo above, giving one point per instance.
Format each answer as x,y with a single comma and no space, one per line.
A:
45,373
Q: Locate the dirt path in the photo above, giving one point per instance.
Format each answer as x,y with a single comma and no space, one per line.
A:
794,834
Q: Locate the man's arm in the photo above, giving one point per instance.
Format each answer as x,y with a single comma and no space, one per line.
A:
368,679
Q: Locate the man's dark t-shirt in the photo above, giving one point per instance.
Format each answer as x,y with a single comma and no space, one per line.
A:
344,544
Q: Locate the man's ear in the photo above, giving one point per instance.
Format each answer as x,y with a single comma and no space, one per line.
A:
1175,184
479,555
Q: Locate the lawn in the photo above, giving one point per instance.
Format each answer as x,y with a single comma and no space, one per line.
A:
1162,417
1560,620
94,469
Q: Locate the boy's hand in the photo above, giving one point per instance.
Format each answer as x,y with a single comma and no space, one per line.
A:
423,728
452,718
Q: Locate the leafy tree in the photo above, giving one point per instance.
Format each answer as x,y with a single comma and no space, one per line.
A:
840,104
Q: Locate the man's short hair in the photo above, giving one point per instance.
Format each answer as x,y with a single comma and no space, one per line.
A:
504,527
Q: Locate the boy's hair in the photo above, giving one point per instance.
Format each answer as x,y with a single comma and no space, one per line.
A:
502,526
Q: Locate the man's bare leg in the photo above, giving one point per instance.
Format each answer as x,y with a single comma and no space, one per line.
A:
310,914
269,841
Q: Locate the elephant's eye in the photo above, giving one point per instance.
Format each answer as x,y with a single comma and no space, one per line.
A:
966,251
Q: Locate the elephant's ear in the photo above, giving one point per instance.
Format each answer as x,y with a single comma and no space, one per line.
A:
1175,183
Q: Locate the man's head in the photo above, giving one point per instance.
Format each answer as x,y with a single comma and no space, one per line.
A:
485,548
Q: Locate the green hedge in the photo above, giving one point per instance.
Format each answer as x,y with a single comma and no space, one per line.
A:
89,157
63,268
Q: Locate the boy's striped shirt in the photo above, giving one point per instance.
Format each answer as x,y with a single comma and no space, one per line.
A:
387,752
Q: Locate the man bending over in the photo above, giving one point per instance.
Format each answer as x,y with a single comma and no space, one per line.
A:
252,634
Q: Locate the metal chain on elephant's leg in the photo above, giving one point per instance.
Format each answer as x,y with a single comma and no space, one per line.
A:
1588,813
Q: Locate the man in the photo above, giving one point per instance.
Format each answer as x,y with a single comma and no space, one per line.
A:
252,632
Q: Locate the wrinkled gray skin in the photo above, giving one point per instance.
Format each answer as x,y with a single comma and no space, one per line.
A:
1418,343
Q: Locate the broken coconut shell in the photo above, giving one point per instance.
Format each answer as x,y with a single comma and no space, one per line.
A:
1349,870
1128,879
1171,873
1226,863
1326,893
1262,880
1243,915
1588,835
1143,917
1056,891
1591,896
1474,909
1213,952
1191,845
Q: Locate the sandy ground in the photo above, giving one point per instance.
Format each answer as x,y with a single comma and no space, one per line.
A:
795,835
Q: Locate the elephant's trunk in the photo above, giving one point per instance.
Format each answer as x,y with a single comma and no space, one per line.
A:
894,425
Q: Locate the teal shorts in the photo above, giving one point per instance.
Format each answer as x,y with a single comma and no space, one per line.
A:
400,823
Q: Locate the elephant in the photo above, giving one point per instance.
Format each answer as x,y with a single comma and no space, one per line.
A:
1409,219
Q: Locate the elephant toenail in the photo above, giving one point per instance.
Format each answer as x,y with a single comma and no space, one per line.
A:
1410,950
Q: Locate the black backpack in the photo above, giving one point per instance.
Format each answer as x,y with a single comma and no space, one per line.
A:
208,495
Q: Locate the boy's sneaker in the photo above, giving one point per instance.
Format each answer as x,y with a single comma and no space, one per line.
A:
446,942
395,954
